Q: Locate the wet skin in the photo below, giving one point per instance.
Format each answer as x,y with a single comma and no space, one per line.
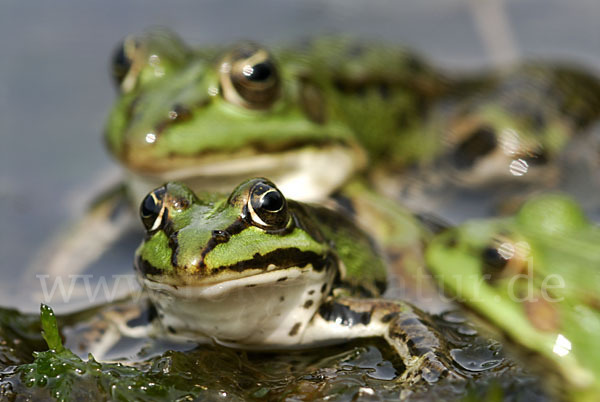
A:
535,277
257,271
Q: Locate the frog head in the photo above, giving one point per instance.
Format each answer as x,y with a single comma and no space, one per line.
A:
490,144
212,118
516,129
244,269
534,276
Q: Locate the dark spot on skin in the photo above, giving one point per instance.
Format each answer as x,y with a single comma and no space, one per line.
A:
251,285
236,227
171,329
311,292
333,311
181,114
477,145
145,316
282,258
308,304
384,90
281,298
220,236
388,317
452,242
282,279
313,103
144,267
152,313
295,329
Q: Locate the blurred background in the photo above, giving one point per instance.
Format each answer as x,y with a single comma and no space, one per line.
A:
55,89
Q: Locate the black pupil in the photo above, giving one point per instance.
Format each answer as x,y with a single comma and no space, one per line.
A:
493,259
121,63
260,72
272,201
149,207
479,144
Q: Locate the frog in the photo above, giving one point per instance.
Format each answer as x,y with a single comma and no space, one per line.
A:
203,118
499,144
211,117
257,271
534,278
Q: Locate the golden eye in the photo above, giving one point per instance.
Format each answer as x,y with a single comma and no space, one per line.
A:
123,60
249,77
267,206
504,257
152,209
146,57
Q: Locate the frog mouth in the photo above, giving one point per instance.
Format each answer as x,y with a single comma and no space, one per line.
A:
214,289
298,173
273,265
217,287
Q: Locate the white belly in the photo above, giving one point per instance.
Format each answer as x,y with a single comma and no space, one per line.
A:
256,312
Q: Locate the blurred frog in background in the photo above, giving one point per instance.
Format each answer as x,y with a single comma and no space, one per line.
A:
535,277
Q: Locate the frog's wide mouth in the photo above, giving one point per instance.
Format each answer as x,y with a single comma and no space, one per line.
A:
209,288
298,173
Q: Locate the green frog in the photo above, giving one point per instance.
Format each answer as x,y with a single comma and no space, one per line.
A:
213,117
258,271
498,144
535,276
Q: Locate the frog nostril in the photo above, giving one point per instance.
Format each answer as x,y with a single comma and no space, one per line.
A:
480,143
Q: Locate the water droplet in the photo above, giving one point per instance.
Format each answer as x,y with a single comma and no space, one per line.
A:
506,250
455,317
476,358
247,70
154,60
150,138
518,167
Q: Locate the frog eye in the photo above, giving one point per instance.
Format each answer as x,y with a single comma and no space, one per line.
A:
267,206
249,77
479,143
143,58
504,257
123,60
152,210
494,261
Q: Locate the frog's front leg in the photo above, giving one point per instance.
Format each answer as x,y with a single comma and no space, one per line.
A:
407,329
